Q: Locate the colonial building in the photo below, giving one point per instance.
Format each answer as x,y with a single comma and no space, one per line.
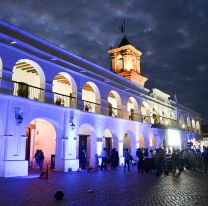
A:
53,100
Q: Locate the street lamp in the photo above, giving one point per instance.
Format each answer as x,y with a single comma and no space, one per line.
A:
19,119
72,125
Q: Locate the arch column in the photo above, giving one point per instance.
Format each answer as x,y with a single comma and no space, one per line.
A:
80,102
67,146
99,148
104,107
49,97
6,85
12,162
98,106
124,112
120,153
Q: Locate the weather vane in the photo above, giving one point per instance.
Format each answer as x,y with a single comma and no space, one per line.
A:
123,27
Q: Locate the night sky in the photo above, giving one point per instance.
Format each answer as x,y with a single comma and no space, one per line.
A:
172,35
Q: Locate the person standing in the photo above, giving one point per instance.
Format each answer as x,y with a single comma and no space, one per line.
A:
140,157
96,162
175,159
159,161
36,156
41,160
114,159
104,159
205,159
126,159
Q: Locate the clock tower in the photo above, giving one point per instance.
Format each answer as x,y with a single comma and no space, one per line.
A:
125,61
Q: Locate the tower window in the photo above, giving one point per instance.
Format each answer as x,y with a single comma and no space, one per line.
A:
120,61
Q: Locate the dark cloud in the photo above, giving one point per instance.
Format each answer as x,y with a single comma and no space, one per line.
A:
172,35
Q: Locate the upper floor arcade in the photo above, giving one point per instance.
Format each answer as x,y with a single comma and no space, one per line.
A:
28,71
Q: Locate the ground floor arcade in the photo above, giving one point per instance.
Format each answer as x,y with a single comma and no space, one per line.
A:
61,133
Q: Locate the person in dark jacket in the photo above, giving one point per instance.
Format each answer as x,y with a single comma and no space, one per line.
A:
39,158
114,159
127,158
175,160
140,157
205,159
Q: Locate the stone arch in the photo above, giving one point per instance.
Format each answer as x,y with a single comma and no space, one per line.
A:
107,141
197,125
65,90
145,112
129,141
133,109
188,122
172,115
141,141
181,121
41,134
86,137
109,134
114,104
154,115
91,97
166,118
193,123
29,79
153,141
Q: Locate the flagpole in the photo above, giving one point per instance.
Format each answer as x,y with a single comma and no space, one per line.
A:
177,109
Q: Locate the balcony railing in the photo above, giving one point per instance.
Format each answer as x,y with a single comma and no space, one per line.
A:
114,112
64,100
35,93
25,90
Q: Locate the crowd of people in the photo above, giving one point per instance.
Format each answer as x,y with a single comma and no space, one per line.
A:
157,161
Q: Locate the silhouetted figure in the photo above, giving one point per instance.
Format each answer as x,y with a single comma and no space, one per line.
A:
127,158
96,161
39,157
205,159
114,159
140,157
159,161
175,160
104,159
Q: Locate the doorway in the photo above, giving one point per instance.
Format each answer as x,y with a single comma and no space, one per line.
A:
108,145
83,146
41,135
28,142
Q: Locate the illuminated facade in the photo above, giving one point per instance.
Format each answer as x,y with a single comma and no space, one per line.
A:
53,100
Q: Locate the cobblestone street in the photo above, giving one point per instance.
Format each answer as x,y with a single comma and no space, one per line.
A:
109,188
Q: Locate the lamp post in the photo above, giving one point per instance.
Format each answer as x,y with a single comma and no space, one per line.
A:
72,125
19,120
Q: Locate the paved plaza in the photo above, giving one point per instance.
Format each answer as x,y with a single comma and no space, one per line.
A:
109,188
